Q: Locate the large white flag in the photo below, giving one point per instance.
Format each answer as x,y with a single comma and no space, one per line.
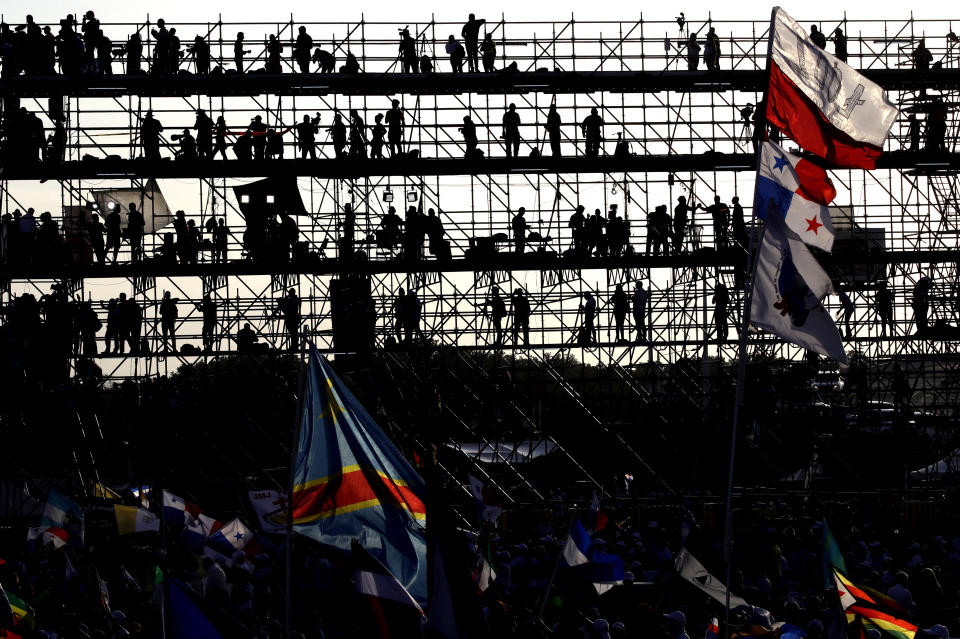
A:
788,285
694,572
825,105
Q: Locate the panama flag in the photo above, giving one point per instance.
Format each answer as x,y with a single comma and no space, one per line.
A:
63,519
822,103
178,510
788,285
604,570
350,482
798,191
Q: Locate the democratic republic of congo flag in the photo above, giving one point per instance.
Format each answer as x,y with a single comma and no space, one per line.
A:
350,482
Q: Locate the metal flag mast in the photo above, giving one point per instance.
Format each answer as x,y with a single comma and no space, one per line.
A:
744,327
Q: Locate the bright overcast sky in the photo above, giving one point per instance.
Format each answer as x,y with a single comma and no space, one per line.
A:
420,10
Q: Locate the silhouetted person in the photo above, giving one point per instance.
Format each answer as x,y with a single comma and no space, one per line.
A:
488,53
168,321
553,130
114,233
721,301
135,224
577,226
413,308
91,30
408,52
204,128
150,129
588,330
658,231
640,297
289,307
592,128
922,56
133,51
395,121
95,230
378,134
622,148
511,131
347,249
243,147
739,225
497,312
519,226
456,52
246,339
274,48
520,305
711,51
400,314
846,310
58,143
921,303
188,146
301,50
174,52
258,132
937,125
435,235
681,216
338,135
201,55
238,52
208,309
221,138
326,60
469,131
351,64
816,35
132,325
161,48
621,307
883,302
471,35
840,44
595,225
914,132
307,136
426,64
358,135
901,396
721,222
389,234
693,52
104,55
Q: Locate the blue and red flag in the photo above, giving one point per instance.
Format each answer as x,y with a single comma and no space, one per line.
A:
350,482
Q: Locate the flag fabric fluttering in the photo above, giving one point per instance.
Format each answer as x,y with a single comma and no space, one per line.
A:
487,510
788,285
233,538
693,571
196,525
183,617
832,558
48,535
597,518
713,629
798,191
603,570
350,482
65,514
823,104
131,519
394,612
860,606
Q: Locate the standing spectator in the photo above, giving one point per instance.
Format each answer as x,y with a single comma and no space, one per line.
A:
456,52
168,321
914,132
221,138
133,51
238,52
95,231
201,55
816,35
469,131
377,135
414,310
884,307
408,52
721,222
400,314
302,49
840,44
511,131
113,230
307,136
135,225
204,127
922,56
739,225
358,136
150,129
711,52
846,309
338,135
395,123
681,216
588,331
488,50
621,306
471,34
521,316
289,307
519,226
220,234
498,311
553,130
592,128
693,52
274,48
640,297
721,301
208,308
921,303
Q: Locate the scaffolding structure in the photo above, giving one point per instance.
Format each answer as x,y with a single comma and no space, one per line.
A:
688,137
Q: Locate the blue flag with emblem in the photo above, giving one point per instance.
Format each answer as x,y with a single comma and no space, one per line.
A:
350,482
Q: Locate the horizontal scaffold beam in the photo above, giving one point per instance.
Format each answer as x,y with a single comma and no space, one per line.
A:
550,82
505,261
345,168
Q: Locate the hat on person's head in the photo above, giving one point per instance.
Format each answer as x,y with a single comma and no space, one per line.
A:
602,628
677,616
938,630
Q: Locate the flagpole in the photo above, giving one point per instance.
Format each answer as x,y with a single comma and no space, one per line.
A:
744,327
288,560
556,565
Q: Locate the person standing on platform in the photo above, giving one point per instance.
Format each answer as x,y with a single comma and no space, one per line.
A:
498,311
693,52
456,52
553,130
289,307
711,52
377,135
168,321
511,131
114,233
358,136
592,128
238,52
721,302
519,226
414,310
840,44
400,314
883,303
221,139
307,136
208,308
204,128
721,222
338,135
133,50
470,141
395,122
921,303
471,40
488,53
681,217
135,226
588,330
220,235
201,55
621,306
739,226
846,310
640,297
150,129
817,36
521,316
407,52
302,49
